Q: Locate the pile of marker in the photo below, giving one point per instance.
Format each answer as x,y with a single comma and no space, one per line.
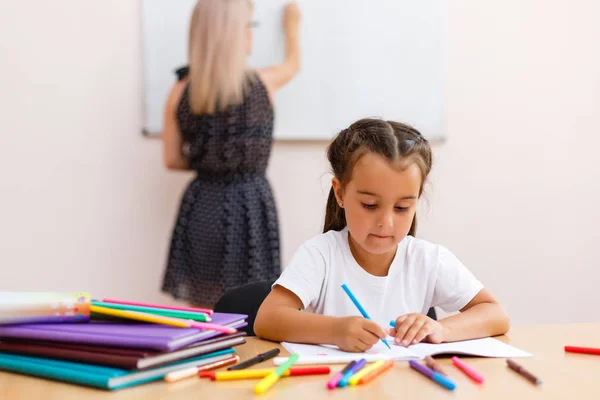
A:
358,373
355,373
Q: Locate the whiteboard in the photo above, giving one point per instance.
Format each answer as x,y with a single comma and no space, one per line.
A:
360,58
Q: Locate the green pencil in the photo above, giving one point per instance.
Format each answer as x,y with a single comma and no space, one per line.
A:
201,317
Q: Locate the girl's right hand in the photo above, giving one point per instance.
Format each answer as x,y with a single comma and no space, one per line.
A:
357,334
291,17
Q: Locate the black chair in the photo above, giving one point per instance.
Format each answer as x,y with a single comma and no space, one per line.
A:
248,298
432,314
244,300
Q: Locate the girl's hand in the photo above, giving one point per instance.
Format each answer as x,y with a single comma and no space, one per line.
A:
414,328
357,334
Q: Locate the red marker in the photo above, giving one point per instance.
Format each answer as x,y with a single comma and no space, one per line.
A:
582,350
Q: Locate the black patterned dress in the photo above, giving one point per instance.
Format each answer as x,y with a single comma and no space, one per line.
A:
227,230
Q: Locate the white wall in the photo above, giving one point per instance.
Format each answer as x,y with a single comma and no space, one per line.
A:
87,205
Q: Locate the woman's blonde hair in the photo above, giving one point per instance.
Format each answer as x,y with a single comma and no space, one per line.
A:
217,54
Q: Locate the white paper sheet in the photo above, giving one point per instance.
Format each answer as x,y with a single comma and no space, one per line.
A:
326,354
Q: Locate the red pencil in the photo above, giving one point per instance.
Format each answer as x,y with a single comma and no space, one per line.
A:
582,350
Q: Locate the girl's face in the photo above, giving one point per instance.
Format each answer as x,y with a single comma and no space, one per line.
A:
379,202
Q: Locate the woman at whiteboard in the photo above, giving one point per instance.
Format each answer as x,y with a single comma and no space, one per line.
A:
218,121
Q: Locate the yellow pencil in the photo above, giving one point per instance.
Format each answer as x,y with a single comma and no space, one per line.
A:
261,373
274,376
139,316
356,377
245,374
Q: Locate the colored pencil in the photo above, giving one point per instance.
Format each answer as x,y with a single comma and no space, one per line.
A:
137,303
158,319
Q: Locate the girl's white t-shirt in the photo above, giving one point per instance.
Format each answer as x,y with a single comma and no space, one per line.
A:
422,275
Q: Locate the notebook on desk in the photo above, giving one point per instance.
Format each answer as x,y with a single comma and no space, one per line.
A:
325,354
99,376
129,335
117,357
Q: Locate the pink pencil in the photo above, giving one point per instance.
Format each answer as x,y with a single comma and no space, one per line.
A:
212,327
468,370
137,303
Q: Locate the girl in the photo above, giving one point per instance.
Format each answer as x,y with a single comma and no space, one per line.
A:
369,244
218,122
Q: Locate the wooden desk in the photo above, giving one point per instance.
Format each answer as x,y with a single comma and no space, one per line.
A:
565,376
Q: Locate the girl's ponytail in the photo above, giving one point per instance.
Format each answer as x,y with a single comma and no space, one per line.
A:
335,219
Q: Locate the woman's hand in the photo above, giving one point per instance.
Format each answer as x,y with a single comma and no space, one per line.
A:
276,76
291,18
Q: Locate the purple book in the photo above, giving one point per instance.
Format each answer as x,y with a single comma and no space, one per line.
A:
131,335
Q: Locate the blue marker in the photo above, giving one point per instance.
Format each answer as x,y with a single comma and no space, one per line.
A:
434,376
360,308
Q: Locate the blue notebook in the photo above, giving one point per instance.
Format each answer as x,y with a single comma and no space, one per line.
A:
98,376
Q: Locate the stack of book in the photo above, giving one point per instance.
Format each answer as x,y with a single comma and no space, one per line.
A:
114,349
